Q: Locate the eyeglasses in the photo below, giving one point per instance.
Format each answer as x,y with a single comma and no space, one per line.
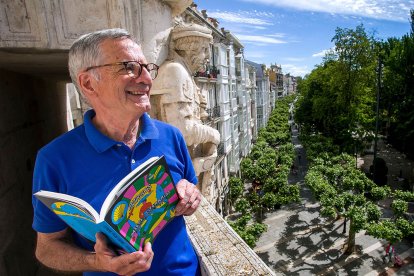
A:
133,68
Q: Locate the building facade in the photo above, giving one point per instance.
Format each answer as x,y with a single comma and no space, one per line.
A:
239,102
263,94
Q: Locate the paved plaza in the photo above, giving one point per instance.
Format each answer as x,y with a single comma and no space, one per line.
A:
300,242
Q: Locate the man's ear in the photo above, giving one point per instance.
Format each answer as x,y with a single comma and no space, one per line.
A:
87,84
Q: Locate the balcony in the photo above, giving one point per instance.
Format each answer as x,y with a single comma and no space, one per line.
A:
234,104
242,102
210,75
213,113
220,149
220,250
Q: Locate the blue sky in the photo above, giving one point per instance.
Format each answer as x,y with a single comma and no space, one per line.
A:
296,33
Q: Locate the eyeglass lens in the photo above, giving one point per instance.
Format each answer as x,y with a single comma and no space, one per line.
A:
134,69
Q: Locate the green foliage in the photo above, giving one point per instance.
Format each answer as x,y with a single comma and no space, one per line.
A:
267,167
256,229
358,218
399,207
342,190
288,194
328,211
397,92
339,95
242,205
385,229
236,188
405,226
336,111
403,195
273,184
269,200
392,231
379,193
250,233
373,212
247,169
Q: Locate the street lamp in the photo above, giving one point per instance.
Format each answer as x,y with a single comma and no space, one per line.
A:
379,72
355,137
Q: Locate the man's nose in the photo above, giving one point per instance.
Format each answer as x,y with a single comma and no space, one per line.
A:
145,77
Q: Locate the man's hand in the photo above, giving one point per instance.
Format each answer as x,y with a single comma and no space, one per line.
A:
189,197
126,264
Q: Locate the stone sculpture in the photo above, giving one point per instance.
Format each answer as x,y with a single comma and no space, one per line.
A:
176,99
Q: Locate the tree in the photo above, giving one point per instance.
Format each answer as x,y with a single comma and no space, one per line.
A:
397,92
339,94
236,188
343,190
267,168
394,229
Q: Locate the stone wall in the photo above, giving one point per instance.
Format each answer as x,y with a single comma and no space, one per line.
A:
32,115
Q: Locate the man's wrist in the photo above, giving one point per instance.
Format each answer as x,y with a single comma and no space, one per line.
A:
91,261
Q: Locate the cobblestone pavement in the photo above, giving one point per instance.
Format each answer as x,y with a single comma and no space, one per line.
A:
300,242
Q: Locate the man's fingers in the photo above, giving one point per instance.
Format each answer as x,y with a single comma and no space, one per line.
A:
181,189
101,245
189,198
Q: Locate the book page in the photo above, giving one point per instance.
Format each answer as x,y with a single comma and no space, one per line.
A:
125,182
146,206
50,199
76,213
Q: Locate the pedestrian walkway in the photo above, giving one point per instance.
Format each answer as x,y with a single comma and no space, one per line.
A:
300,242
400,168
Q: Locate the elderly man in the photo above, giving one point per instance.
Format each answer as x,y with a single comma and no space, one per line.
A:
110,70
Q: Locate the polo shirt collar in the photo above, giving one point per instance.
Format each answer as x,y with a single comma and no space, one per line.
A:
101,142
148,130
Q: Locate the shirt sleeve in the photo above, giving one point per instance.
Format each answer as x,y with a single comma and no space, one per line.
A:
46,178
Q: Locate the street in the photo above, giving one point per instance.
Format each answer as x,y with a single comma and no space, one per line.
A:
300,242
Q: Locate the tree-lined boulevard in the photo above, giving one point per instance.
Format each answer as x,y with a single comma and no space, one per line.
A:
306,205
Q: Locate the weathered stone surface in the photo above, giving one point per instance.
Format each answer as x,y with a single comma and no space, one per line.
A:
178,100
221,251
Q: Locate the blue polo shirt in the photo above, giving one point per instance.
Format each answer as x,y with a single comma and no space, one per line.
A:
87,164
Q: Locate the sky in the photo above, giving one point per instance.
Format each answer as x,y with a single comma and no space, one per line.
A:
296,33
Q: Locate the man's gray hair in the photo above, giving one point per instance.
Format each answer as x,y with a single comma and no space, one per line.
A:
86,51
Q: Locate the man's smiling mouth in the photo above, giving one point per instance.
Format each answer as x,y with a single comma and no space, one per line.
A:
136,93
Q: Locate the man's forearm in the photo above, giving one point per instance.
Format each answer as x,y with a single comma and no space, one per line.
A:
63,255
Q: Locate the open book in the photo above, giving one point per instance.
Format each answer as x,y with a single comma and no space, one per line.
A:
133,213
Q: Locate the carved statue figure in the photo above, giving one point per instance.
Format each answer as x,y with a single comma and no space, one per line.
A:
177,100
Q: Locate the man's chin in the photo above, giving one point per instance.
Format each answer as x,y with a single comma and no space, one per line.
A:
145,108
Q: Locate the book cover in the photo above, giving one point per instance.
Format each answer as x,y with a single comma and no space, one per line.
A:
135,211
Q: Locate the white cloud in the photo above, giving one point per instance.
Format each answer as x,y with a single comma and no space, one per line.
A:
395,10
242,17
278,35
323,52
258,27
259,38
320,54
295,70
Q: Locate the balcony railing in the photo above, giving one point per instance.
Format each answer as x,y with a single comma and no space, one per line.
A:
213,113
210,73
216,112
220,149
